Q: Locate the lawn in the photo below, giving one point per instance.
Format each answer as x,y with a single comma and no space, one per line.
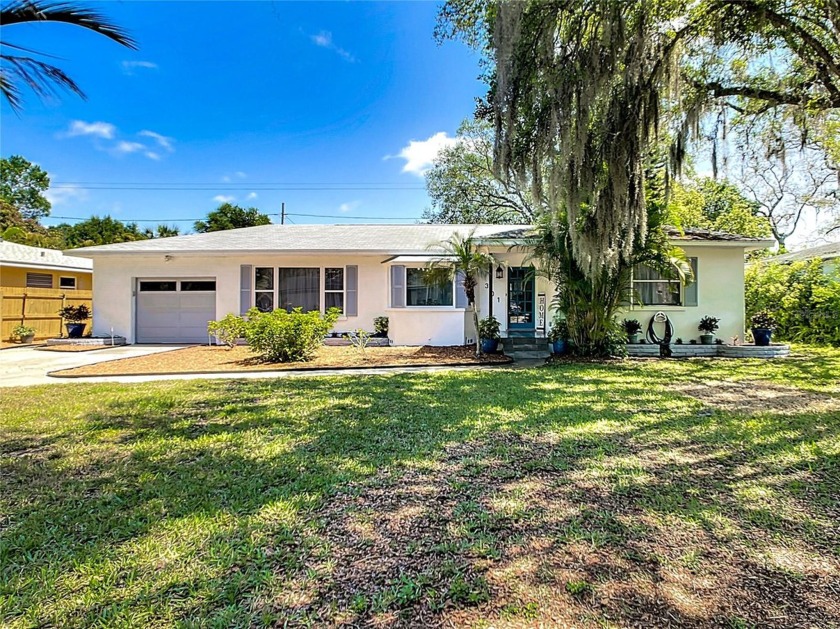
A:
678,493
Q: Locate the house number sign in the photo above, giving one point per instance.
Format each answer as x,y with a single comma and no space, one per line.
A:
541,312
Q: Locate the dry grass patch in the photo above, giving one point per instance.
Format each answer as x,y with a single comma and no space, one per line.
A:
757,396
205,359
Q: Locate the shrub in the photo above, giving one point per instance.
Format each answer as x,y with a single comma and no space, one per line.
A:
75,314
488,328
21,331
228,330
380,326
802,298
559,330
709,325
359,339
763,320
281,336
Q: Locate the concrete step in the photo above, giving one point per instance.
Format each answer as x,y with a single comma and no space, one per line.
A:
522,347
528,355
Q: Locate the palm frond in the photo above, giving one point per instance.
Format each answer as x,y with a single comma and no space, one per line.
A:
42,78
22,11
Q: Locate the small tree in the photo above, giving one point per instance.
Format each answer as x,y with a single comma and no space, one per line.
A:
463,256
229,216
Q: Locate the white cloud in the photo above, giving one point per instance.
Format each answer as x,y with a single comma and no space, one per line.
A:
240,174
224,198
66,193
419,155
163,141
349,207
130,66
324,39
152,155
97,129
252,195
129,147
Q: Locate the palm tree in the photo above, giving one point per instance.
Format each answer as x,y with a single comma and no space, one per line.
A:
27,69
460,254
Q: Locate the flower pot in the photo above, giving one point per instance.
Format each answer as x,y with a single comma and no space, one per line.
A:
489,346
707,339
558,347
27,339
633,339
75,330
762,336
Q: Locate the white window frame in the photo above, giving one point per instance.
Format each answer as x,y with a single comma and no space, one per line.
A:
343,290
634,281
67,277
442,307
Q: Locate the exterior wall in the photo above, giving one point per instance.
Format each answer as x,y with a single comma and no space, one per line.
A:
720,293
15,277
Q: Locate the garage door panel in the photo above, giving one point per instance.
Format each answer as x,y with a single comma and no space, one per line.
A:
174,316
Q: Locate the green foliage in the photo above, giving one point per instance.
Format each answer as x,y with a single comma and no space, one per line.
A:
578,587
631,326
75,314
228,330
229,216
800,296
559,330
709,325
763,320
281,336
359,339
22,185
488,328
98,231
380,326
21,331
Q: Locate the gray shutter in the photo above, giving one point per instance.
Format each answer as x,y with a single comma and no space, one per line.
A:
460,293
246,273
398,286
351,288
691,289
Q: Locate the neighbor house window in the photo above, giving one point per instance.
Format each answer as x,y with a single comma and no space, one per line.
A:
651,288
334,288
67,282
299,288
264,289
39,280
420,290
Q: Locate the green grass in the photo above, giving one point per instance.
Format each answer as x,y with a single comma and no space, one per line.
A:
228,503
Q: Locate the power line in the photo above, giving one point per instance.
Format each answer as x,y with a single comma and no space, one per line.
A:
234,188
235,183
371,218
288,214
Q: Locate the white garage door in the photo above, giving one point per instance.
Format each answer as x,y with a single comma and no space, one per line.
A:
175,310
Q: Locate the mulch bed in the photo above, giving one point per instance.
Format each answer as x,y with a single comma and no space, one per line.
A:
205,359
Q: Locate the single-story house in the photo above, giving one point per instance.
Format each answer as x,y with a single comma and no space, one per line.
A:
828,253
166,290
22,266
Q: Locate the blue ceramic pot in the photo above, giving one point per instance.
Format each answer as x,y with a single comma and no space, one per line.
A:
559,347
762,336
489,346
75,330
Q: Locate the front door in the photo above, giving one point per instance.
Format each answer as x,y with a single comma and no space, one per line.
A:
521,298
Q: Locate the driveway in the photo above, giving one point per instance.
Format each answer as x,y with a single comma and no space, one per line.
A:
26,366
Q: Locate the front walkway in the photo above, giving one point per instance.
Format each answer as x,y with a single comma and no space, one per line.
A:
27,367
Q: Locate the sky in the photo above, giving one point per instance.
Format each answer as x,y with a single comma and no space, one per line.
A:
334,108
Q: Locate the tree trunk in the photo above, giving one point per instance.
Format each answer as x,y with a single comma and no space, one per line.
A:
477,336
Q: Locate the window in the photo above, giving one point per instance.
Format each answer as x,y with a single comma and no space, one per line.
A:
67,282
163,286
264,289
198,285
299,288
651,288
39,280
334,288
421,291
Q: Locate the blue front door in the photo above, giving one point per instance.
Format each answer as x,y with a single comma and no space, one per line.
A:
521,298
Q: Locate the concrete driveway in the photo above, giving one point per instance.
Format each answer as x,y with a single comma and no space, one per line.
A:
25,366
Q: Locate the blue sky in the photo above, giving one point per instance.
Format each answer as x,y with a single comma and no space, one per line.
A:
229,97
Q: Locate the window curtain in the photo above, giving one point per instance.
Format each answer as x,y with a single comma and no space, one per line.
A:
299,288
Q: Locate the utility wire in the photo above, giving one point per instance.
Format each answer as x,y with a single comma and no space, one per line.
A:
184,220
233,188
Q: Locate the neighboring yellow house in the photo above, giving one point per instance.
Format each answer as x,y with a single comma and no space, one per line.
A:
35,283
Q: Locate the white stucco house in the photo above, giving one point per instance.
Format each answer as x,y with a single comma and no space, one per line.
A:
166,290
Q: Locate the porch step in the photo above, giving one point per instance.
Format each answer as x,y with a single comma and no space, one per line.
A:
521,334
516,344
525,355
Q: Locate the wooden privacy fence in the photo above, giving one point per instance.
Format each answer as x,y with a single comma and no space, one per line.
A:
38,308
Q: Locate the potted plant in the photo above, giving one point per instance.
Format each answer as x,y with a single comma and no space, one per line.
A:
559,336
488,333
24,333
74,317
708,326
763,325
632,328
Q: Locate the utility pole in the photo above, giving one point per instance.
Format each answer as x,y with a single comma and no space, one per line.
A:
283,213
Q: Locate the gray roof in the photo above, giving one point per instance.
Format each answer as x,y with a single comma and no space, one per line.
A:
372,239
823,252
697,233
13,254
